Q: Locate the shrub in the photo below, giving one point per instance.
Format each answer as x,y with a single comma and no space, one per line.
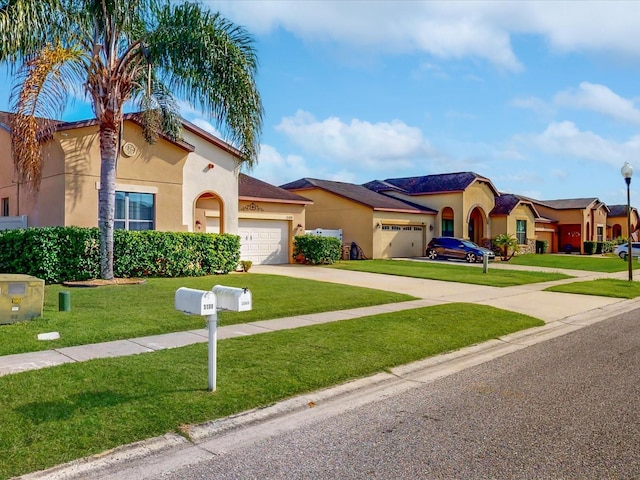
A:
541,246
246,265
58,254
316,249
505,242
589,247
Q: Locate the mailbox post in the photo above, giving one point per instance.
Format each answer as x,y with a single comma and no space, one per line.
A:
207,304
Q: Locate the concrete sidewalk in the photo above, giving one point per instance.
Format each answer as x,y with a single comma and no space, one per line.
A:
526,299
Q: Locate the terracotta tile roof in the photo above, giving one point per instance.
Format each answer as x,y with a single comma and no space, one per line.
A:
250,188
360,194
429,184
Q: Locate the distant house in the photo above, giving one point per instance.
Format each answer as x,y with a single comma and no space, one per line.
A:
567,223
382,226
617,222
462,201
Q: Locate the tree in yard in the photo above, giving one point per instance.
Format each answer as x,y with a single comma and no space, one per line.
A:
506,242
146,53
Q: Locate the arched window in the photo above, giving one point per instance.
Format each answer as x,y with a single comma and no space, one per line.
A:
447,222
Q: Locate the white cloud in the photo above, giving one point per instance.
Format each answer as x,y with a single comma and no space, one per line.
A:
534,104
565,140
446,29
599,98
383,145
276,169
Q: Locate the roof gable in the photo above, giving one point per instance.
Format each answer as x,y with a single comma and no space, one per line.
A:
506,202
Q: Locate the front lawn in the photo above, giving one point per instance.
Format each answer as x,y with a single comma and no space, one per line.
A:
58,414
604,287
119,312
595,263
453,272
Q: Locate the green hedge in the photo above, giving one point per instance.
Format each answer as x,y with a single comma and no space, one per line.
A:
589,247
58,254
316,249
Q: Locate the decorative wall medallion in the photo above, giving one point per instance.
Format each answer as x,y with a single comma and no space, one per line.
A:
129,149
252,207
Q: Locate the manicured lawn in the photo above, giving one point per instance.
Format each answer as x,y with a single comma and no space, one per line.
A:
58,414
604,287
592,263
453,272
119,312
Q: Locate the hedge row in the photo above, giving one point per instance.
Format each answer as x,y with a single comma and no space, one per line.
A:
58,254
315,249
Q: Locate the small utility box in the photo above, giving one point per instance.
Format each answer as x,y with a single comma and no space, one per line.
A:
195,302
233,298
21,297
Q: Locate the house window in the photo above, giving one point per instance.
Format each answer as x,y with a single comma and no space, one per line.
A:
135,211
600,234
447,222
521,231
5,207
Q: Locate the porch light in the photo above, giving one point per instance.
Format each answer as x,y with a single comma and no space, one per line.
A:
627,173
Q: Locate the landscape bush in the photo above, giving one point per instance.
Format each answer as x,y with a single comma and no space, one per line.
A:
59,254
315,249
590,247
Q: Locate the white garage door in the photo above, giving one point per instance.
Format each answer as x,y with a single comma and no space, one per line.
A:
264,241
402,241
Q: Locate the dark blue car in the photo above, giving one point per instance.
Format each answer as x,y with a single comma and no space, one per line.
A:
452,247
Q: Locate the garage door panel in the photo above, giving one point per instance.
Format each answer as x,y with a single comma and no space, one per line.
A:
264,241
402,241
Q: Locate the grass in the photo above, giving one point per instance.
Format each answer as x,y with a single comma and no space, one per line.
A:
119,312
604,287
595,263
494,277
58,414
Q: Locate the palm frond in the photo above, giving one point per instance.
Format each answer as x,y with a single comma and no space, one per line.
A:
211,63
38,99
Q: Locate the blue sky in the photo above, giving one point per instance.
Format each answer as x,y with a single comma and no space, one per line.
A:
541,97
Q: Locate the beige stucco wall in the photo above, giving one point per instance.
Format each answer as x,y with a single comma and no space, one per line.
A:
197,178
155,169
480,195
521,212
622,221
438,202
334,212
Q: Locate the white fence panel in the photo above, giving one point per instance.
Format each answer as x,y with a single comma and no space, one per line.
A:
13,223
323,232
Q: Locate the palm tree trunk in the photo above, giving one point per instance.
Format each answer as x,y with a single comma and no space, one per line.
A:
107,198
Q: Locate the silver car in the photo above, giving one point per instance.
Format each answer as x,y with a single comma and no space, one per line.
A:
622,250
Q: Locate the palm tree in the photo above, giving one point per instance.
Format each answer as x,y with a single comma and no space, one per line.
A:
506,242
146,53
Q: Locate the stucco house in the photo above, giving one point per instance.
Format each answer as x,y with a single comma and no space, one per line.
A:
567,223
382,226
190,185
462,201
617,222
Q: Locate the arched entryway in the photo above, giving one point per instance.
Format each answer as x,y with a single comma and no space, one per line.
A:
477,225
616,231
208,213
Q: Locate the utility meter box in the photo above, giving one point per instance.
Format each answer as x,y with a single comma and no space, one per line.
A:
195,302
233,298
21,297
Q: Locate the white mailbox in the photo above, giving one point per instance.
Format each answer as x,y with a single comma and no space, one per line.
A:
233,298
195,302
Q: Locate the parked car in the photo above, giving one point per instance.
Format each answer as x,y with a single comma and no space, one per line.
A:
622,250
452,247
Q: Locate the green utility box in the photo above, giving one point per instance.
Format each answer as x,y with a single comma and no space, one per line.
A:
21,297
